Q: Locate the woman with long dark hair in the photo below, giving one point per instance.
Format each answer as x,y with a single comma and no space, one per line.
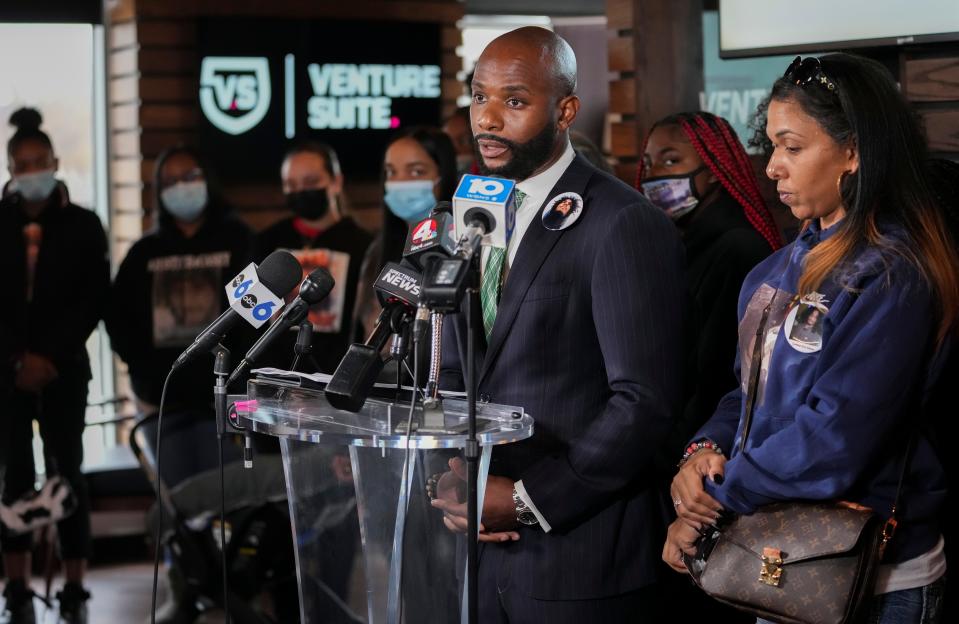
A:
833,412
419,169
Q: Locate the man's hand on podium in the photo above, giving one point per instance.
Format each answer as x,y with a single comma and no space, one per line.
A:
499,512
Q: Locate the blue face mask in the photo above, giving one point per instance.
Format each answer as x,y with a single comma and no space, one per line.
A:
410,200
185,200
35,187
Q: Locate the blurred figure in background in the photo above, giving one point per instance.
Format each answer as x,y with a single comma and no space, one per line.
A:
419,170
457,128
54,256
589,150
696,171
168,288
319,234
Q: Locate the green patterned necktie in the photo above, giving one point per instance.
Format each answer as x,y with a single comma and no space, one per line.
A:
493,278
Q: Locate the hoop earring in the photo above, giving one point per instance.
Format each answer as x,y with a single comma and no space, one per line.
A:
839,187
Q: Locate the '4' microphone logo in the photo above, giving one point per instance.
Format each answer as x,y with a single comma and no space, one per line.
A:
235,91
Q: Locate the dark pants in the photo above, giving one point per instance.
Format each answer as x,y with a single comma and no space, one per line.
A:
502,602
60,410
190,445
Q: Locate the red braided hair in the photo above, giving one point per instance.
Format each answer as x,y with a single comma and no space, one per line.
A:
720,150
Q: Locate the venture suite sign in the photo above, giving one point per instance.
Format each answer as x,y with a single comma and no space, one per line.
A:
346,83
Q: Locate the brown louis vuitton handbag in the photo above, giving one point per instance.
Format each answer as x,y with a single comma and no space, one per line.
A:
794,562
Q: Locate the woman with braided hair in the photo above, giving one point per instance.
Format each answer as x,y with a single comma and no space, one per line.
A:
695,169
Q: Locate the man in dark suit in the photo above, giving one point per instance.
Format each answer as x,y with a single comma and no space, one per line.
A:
583,327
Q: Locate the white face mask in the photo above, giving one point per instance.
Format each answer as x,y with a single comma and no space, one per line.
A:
185,200
35,187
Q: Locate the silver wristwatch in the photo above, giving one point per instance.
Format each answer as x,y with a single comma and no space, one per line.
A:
524,515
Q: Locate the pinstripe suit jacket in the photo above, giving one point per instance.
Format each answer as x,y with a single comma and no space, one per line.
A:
588,339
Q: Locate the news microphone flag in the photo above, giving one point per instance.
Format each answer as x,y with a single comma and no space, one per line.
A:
432,237
397,282
494,198
251,299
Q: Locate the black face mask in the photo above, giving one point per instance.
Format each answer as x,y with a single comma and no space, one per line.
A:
311,204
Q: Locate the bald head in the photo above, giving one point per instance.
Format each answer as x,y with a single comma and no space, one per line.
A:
523,102
542,48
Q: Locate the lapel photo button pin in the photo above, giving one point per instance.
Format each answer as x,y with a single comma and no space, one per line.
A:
562,211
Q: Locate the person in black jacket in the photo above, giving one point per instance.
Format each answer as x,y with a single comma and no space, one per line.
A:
168,289
54,258
695,169
319,234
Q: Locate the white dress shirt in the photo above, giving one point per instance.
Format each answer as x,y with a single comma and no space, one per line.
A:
537,189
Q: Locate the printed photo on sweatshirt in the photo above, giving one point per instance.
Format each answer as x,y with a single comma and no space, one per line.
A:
187,295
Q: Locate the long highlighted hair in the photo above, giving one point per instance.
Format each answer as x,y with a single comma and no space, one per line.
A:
867,110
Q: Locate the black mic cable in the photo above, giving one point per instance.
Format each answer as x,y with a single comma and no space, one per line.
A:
159,485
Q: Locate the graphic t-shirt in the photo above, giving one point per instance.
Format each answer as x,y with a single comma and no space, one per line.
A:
186,295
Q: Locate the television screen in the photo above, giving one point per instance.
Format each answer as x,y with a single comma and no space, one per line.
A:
263,84
751,28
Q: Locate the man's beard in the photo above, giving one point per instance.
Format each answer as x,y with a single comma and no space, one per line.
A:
526,157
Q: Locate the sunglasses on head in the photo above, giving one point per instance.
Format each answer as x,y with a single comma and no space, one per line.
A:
803,71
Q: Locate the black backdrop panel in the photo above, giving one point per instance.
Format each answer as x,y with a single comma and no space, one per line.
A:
348,83
52,11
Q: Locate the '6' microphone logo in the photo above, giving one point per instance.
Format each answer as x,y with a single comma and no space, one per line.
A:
262,311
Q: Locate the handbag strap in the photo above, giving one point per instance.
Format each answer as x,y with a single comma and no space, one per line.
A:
755,363
889,528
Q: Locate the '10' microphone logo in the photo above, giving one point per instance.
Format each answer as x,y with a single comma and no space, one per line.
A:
485,186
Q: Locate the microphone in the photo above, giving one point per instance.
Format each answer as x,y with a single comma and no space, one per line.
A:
398,282
431,238
397,288
357,372
314,289
484,212
254,295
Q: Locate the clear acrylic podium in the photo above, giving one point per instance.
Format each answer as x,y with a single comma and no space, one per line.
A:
412,569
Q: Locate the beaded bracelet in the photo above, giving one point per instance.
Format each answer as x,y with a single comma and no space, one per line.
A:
697,446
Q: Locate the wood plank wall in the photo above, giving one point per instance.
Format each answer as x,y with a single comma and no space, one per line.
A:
930,80
655,52
152,93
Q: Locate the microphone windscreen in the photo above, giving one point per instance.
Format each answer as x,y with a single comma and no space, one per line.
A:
317,286
280,272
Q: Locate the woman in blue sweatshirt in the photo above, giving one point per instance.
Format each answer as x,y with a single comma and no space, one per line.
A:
859,310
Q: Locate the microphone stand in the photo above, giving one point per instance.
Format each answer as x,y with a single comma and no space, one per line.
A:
472,461
303,348
445,283
221,369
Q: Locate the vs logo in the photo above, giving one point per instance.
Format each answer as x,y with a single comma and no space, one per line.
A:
235,91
